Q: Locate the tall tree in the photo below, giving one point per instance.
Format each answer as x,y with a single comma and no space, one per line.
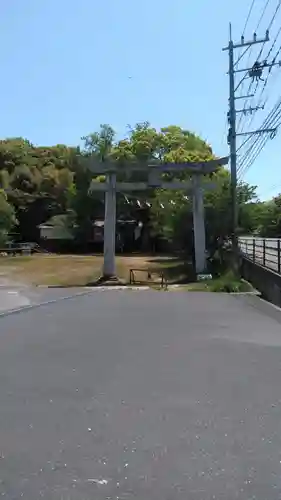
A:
7,218
41,182
99,143
172,212
270,218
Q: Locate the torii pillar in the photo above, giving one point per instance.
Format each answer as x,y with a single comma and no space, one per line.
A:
155,171
199,225
109,237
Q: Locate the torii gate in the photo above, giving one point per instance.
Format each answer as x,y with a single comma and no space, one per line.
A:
154,180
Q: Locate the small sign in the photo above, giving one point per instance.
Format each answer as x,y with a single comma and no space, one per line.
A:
204,277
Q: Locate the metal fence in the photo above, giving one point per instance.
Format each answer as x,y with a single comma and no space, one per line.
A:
263,251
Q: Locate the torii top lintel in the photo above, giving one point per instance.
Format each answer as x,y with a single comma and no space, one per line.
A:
203,167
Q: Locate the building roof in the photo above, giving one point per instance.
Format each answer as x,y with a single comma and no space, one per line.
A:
56,220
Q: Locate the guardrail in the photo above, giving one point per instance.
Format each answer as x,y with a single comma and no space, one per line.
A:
263,251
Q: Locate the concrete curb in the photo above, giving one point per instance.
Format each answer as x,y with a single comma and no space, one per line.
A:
264,307
95,287
41,304
89,291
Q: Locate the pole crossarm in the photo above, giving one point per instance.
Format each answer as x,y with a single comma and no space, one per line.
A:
262,131
250,42
255,72
249,110
244,96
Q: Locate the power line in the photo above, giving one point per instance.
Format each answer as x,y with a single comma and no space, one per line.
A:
244,143
232,124
273,122
241,81
249,47
273,43
273,78
256,29
274,15
249,15
242,87
262,15
261,51
255,155
270,67
267,77
258,139
242,55
252,117
259,101
267,123
269,28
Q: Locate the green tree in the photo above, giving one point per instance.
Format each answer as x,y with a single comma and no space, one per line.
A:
42,182
7,218
99,144
37,181
172,212
270,218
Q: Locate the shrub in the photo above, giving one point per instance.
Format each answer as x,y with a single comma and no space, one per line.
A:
229,283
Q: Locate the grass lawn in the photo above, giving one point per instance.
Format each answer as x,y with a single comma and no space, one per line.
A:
79,270
82,270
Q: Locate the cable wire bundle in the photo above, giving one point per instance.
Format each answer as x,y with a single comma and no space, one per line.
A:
272,121
253,145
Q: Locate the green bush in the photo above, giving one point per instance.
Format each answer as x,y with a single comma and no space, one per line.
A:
229,283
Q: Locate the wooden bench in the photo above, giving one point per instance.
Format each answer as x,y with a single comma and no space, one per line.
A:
149,280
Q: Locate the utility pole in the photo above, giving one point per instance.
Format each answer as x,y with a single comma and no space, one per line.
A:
255,72
232,144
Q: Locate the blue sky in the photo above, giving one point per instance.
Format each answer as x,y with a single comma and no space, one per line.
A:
68,66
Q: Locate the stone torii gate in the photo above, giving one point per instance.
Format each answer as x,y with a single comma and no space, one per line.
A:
154,180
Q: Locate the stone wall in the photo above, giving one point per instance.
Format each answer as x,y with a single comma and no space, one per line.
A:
265,281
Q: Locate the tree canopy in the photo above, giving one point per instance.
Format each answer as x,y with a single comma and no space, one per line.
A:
7,218
39,182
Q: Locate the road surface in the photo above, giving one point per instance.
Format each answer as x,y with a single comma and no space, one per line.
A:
141,395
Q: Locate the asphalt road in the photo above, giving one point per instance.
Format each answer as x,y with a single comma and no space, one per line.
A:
141,395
